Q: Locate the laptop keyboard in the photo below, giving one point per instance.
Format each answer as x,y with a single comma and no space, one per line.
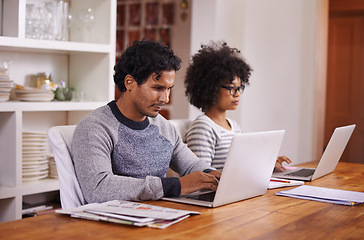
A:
209,197
302,173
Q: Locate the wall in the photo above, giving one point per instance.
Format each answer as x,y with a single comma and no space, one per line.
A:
181,33
278,39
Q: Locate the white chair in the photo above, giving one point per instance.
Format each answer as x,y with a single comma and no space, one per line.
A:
181,125
60,139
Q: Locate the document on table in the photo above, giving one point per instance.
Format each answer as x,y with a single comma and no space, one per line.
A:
325,195
131,213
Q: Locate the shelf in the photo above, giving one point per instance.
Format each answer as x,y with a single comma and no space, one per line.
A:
28,188
11,106
44,185
7,192
85,63
34,45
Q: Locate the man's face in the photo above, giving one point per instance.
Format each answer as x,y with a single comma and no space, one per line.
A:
149,98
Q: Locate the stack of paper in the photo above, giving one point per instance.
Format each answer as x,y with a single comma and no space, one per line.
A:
131,213
325,195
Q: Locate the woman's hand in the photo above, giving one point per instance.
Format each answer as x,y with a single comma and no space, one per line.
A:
279,166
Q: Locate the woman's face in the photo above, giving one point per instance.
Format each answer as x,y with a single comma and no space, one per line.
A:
227,101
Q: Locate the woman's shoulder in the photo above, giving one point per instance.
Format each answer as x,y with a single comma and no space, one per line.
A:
204,124
234,125
202,121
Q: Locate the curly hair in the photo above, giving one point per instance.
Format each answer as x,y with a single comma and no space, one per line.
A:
213,66
143,58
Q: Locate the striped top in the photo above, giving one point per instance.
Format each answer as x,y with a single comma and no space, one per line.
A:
209,141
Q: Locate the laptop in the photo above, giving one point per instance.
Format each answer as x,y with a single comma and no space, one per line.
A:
246,173
328,161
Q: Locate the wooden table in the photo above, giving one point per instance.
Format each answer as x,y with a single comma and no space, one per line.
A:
265,217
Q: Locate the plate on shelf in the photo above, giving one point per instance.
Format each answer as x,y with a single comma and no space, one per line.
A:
35,158
34,134
36,169
35,144
35,173
32,163
32,91
34,95
4,97
34,148
34,154
53,170
5,90
34,178
31,139
39,99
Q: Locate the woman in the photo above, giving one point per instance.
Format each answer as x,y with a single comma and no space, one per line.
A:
214,82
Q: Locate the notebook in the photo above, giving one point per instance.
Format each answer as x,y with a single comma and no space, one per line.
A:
328,161
246,173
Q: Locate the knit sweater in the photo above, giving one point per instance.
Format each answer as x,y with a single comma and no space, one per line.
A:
209,141
117,158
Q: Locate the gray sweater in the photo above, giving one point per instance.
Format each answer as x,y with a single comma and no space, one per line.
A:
117,158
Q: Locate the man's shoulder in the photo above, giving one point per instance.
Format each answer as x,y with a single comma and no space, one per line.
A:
165,127
100,117
159,120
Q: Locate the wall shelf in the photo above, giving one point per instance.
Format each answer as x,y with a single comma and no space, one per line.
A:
84,62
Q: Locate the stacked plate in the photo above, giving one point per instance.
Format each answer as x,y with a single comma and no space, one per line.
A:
35,162
34,95
52,167
5,85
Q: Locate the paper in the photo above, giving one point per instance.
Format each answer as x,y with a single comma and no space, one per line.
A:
130,213
140,210
278,183
325,195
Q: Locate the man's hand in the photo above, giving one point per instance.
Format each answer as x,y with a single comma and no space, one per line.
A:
216,173
199,180
279,167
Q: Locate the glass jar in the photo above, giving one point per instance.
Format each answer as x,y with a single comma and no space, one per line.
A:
43,78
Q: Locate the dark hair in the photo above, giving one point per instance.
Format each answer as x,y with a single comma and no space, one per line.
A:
213,66
143,58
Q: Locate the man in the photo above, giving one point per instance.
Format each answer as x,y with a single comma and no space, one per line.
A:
124,149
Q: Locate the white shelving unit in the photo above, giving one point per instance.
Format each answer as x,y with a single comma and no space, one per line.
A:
85,62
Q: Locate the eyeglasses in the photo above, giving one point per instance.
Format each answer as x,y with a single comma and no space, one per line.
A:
234,90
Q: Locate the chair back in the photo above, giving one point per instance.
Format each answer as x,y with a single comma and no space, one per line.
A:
60,140
181,126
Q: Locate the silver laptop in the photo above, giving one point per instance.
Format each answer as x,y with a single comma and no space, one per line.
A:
247,170
328,161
